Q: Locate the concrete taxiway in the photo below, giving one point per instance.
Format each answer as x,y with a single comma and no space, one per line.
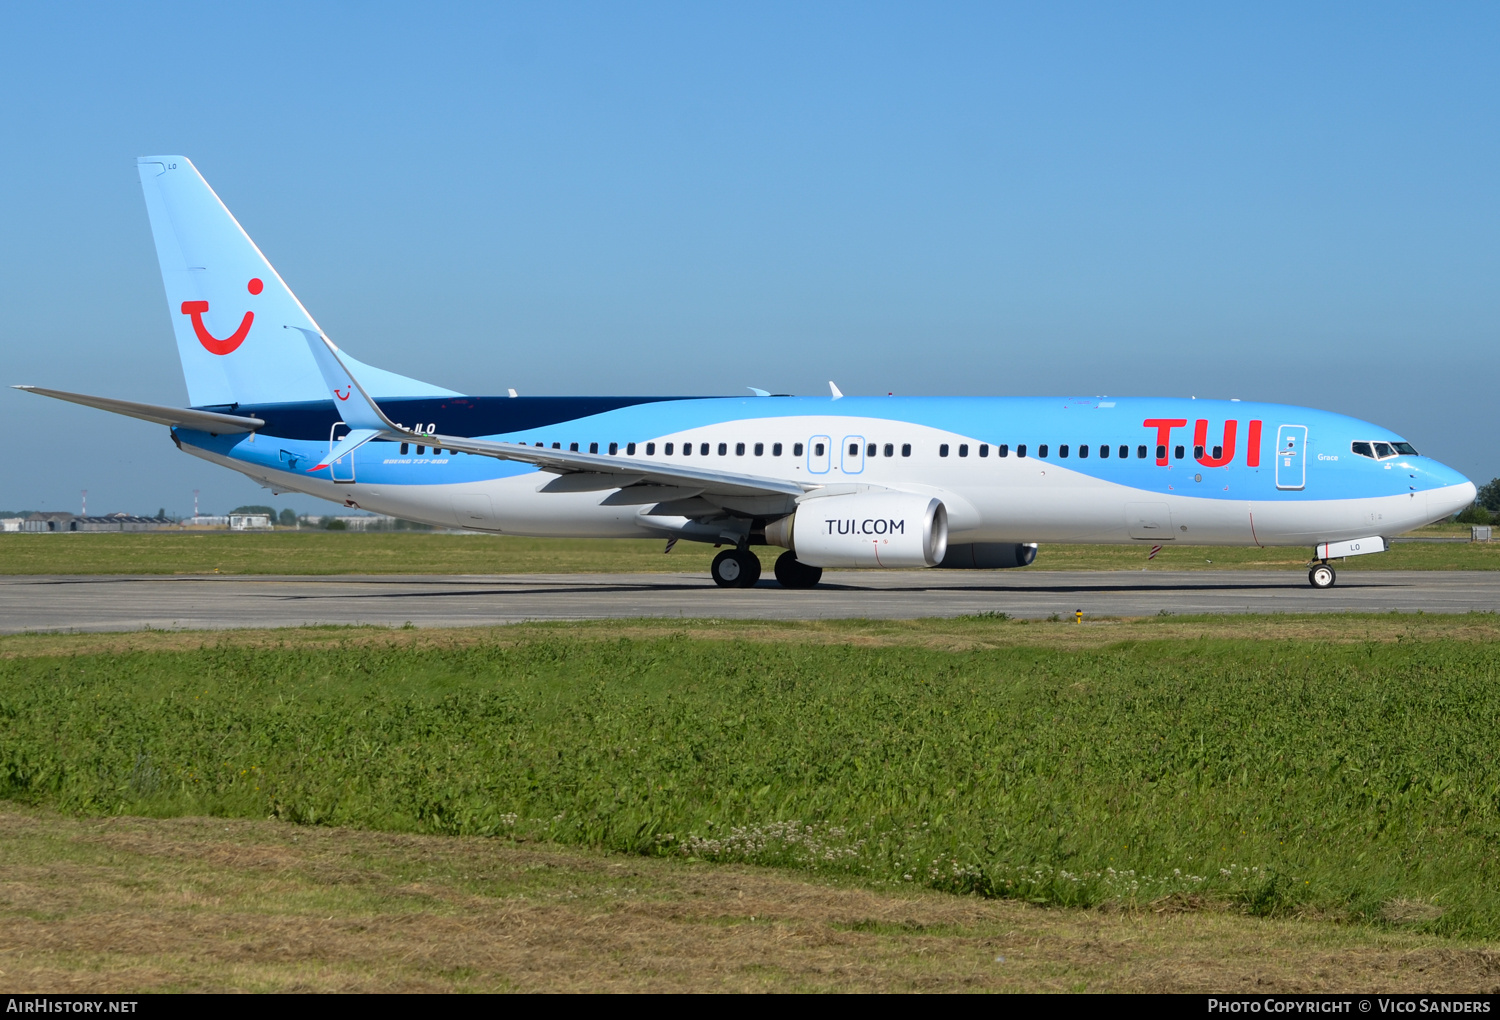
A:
112,603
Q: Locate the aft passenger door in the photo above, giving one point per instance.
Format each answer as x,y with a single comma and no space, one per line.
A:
343,468
1291,457
818,454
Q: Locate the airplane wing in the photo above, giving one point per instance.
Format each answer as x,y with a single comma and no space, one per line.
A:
582,472
618,471
206,421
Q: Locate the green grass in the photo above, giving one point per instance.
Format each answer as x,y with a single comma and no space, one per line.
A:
1274,775
322,552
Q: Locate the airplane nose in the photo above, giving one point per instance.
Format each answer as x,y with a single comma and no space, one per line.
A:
1450,498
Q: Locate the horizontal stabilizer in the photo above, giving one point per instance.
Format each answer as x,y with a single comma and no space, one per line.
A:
204,421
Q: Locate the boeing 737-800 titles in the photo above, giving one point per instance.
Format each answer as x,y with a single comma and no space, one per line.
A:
850,482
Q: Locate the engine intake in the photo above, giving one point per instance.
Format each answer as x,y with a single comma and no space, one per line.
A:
865,530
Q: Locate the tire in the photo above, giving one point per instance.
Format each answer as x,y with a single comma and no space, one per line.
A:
1321,576
794,574
749,569
727,568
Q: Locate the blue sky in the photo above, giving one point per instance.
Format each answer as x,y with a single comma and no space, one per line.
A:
1283,202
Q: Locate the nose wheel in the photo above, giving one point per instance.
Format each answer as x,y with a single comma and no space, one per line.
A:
1321,576
736,568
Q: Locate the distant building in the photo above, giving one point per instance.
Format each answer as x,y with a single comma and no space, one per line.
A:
123,522
58,521
250,522
206,521
11,523
50,521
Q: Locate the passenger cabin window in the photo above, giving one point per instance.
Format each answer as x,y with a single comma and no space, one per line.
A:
854,449
687,449
739,449
703,449
1083,451
1103,450
890,449
1179,453
796,450
421,450
776,449
1161,452
963,449
593,448
405,448
651,450
1125,451
1198,451
614,448
630,449
984,449
1003,450
1062,451
666,449
723,449
906,449
1041,451
1218,453
817,449
943,450
1021,450
760,449
572,447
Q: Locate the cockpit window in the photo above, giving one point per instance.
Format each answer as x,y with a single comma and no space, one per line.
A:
1382,451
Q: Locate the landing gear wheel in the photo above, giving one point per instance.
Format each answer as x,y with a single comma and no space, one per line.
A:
794,574
735,569
1321,576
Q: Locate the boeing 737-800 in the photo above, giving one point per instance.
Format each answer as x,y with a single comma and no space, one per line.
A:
847,482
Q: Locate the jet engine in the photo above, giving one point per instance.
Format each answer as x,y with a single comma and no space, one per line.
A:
989,555
864,530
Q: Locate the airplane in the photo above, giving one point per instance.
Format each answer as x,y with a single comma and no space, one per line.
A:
837,482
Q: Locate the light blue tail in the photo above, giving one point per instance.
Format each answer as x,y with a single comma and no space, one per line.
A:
237,322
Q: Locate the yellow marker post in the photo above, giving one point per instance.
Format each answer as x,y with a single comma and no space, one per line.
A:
1078,616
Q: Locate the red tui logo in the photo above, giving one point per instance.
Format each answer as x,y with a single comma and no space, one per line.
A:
211,343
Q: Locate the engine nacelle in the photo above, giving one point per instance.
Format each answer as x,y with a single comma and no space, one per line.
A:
865,530
989,556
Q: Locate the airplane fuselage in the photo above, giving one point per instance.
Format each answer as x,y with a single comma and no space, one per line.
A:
1008,469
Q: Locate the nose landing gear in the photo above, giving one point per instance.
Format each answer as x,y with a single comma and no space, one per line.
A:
736,568
1321,576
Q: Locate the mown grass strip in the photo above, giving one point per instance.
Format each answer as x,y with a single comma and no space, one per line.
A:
315,553
1269,774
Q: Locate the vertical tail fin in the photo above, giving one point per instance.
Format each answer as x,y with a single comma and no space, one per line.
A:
229,306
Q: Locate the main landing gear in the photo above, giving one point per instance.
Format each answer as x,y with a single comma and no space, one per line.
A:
794,574
1321,576
736,568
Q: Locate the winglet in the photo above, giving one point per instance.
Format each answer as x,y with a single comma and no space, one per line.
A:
353,441
758,391
836,393
354,405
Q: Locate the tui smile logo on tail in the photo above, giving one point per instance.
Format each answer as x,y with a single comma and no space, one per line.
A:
211,343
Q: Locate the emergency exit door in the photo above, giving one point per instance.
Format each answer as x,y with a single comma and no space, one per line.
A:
1291,457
